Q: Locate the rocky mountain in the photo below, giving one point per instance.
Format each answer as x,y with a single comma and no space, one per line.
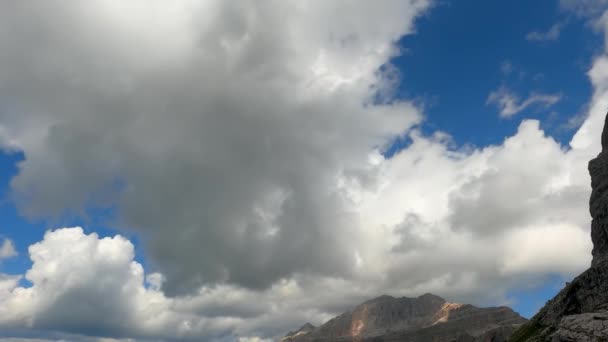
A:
580,311
293,335
428,318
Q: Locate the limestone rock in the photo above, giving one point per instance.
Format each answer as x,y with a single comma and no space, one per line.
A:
586,294
588,327
598,203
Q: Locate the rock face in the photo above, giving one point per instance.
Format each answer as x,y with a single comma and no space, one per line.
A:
426,318
598,204
586,327
580,311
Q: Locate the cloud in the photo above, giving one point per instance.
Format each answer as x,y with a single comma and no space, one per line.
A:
506,67
87,288
218,133
529,250
510,104
550,35
241,143
90,286
7,249
589,8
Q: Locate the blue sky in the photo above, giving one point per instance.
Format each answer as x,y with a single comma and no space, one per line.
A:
460,53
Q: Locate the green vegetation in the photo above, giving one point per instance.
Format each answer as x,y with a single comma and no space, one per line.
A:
529,332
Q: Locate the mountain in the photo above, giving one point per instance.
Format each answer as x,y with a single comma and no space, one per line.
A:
579,313
428,318
305,329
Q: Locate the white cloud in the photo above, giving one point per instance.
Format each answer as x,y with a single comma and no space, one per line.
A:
91,286
585,7
550,35
510,104
7,249
531,250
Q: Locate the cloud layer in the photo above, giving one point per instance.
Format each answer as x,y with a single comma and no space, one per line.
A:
241,142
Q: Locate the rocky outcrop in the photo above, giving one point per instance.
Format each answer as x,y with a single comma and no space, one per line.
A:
586,294
579,311
586,327
426,318
598,203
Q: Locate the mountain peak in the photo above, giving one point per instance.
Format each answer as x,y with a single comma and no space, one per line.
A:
430,295
379,299
388,298
307,326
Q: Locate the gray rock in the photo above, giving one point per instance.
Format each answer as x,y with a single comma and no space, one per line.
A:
588,327
598,203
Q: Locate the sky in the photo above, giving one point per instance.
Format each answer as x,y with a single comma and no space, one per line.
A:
227,171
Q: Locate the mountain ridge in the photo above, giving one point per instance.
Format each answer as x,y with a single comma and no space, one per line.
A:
424,318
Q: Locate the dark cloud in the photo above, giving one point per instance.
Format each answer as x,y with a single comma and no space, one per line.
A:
218,131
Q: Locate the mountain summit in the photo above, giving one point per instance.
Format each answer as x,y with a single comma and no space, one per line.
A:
425,318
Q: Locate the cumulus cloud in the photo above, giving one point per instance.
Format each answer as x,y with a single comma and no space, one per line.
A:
241,142
510,104
550,35
90,286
